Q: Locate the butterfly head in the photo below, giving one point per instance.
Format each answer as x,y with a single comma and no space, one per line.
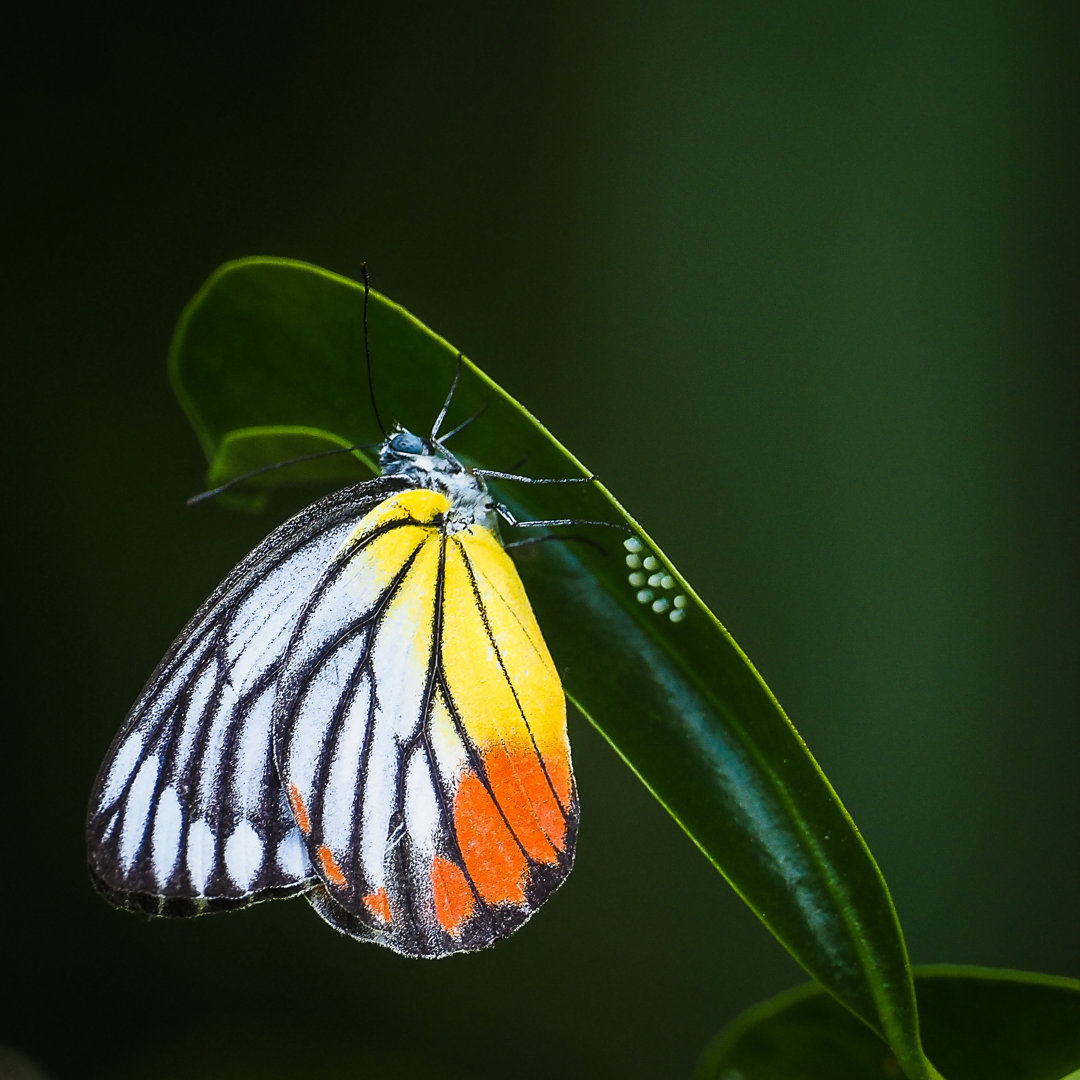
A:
404,453
428,464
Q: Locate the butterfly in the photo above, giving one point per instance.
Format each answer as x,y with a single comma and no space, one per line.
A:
363,713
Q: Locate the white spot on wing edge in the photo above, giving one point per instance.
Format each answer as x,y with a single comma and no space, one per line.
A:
292,857
244,854
201,852
165,842
137,810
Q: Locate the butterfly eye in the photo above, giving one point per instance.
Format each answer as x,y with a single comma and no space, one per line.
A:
406,443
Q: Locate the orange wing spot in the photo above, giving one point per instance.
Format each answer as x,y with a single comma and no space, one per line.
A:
378,903
296,801
524,795
331,871
492,856
454,901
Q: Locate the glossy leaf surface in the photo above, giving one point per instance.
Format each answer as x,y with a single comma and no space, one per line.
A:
272,350
978,1024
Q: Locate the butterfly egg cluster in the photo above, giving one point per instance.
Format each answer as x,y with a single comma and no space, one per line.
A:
652,581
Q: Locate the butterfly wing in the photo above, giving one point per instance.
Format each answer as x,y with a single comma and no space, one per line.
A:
187,813
420,734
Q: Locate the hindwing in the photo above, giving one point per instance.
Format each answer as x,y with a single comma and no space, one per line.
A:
420,735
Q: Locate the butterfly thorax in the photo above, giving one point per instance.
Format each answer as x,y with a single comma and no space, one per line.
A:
427,464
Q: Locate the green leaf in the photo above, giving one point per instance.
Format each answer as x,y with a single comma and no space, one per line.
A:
279,345
977,1023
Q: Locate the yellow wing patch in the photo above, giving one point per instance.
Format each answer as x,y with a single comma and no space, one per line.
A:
504,686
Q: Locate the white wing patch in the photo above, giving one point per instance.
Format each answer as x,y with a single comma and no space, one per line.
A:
451,757
188,813
168,824
422,818
292,856
345,760
201,855
136,813
343,775
124,764
244,855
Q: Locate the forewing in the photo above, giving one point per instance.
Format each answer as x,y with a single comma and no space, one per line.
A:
434,790
187,813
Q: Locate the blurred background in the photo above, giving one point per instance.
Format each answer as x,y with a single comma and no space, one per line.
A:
799,282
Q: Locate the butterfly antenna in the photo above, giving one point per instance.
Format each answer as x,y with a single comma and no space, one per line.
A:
516,523
464,423
446,404
203,496
367,352
552,537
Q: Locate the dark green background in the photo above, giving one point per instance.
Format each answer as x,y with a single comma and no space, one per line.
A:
798,281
